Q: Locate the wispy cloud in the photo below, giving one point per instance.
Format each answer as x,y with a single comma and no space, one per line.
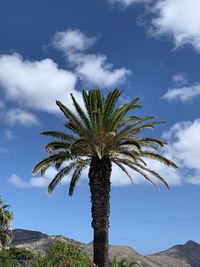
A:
38,181
182,90
127,3
9,134
91,68
19,116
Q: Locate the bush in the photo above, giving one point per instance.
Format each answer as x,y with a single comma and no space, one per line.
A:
61,254
6,260
123,263
14,257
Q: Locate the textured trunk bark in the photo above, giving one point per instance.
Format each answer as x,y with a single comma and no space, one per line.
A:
99,181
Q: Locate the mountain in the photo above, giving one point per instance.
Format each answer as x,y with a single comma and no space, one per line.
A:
187,255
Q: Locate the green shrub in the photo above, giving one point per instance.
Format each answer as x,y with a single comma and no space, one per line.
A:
61,254
20,254
123,263
14,257
6,260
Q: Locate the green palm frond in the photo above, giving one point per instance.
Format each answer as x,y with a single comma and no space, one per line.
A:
59,176
81,113
152,142
76,175
51,160
60,135
73,119
158,157
121,112
123,169
135,168
57,145
110,103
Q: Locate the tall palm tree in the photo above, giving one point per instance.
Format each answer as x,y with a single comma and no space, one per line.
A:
6,218
102,133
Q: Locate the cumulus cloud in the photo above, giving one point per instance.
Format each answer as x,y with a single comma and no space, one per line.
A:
184,143
182,91
72,40
36,84
19,116
179,19
90,67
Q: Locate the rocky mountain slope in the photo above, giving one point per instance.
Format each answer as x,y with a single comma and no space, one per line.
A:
187,255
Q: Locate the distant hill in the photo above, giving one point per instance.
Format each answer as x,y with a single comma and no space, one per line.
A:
187,255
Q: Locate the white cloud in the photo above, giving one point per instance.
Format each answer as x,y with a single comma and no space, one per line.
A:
38,181
97,72
19,116
179,79
179,19
18,181
184,93
90,67
127,3
72,40
184,144
36,84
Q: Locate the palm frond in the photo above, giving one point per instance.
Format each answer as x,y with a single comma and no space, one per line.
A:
123,169
121,112
57,145
158,157
59,176
73,119
60,135
50,160
152,142
81,113
76,175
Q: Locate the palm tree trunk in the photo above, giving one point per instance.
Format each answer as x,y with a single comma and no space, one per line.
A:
99,181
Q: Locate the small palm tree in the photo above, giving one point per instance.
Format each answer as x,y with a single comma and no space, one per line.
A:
102,133
123,263
6,218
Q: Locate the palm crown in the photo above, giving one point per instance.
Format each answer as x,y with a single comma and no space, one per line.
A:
103,130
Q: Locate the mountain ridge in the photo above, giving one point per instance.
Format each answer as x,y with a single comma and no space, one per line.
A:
181,255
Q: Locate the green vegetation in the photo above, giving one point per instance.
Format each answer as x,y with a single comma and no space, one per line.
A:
6,218
102,134
14,257
123,263
61,254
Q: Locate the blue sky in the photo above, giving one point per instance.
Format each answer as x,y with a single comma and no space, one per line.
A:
150,49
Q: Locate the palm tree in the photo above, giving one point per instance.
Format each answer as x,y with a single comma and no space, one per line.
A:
6,217
102,133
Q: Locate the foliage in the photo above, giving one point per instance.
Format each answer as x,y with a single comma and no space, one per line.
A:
61,254
123,263
104,130
6,218
6,260
20,253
